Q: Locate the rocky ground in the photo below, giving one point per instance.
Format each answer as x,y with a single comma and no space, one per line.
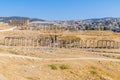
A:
44,63
14,68
56,64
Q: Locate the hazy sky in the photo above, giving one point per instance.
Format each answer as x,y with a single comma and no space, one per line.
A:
60,9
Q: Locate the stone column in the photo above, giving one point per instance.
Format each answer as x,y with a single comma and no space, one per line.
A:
5,41
21,42
32,43
97,44
115,46
38,43
14,42
93,45
17,41
62,45
110,44
102,44
85,43
90,43
10,41
79,44
25,42
82,44
106,44
29,42
65,44
117,43
41,43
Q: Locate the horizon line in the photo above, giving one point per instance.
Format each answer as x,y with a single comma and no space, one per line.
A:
60,19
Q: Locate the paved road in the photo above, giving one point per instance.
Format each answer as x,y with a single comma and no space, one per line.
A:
10,29
35,58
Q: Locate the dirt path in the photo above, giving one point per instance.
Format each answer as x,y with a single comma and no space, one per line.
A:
35,58
10,29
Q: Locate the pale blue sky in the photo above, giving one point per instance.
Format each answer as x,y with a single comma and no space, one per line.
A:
60,9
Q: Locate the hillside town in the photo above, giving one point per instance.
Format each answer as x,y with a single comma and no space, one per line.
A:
88,24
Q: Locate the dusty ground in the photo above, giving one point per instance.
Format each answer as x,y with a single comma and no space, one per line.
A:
81,64
30,69
28,63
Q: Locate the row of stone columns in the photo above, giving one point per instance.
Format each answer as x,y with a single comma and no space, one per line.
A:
102,44
69,44
52,27
18,42
53,42
107,44
47,27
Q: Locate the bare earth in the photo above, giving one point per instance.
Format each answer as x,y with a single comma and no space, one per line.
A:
81,65
21,63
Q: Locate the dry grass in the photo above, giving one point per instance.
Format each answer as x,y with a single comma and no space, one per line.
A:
25,69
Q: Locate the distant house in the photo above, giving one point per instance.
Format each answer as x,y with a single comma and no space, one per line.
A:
116,29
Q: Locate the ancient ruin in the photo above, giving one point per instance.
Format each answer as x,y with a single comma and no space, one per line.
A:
61,42
58,40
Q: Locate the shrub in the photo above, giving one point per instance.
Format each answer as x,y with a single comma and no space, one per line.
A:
13,52
93,72
64,67
53,67
10,48
118,57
